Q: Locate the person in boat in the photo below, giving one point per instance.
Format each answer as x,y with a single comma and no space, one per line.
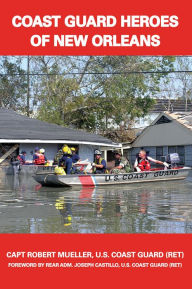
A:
58,156
22,158
75,156
35,155
142,162
39,157
59,170
99,166
121,164
66,160
75,159
42,151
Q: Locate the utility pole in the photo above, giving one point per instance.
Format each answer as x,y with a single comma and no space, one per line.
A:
28,86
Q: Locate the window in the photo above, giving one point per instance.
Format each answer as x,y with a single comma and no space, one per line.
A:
180,150
159,153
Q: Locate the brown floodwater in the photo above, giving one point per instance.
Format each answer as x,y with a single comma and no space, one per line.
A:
26,207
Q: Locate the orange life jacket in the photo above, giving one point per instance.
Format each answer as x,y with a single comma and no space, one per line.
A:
144,165
40,160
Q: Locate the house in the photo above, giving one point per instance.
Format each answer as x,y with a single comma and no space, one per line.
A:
29,133
168,133
164,104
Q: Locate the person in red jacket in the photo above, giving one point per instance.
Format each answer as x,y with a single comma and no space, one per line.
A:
142,162
22,157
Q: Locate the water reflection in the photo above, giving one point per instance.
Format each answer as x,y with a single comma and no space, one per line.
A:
25,207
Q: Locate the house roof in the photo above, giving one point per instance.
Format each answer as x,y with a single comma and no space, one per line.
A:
184,118
168,129
19,128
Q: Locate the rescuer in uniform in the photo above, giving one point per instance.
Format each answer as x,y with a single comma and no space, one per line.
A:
121,164
58,156
142,162
75,159
75,156
35,155
59,170
42,151
22,157
39,158
99,166
66,159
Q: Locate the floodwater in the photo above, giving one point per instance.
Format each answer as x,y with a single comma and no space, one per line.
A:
26,207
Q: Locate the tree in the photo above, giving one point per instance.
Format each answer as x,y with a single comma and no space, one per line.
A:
105,95
117,96
13,84
184,80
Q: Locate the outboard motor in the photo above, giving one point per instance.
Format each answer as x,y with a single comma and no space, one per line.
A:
173,159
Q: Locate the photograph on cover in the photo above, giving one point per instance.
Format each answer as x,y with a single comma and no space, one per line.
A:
95,144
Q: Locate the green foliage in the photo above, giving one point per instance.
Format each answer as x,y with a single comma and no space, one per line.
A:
105,95
13,85
123,97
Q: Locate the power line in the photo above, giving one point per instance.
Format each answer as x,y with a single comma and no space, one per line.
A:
97,73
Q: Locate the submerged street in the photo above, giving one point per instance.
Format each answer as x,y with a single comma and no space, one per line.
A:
162,207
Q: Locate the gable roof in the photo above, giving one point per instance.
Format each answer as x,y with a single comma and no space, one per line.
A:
22,129
167,129
184,118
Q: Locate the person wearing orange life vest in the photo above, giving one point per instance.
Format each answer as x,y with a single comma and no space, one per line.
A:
40,158
42,151
142,162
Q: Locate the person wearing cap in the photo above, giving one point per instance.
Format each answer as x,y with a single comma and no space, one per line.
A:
99,166
121,164
35,155
60,154
66,160
75,156
22,157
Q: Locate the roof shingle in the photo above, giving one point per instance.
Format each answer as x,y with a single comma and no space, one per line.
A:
15,126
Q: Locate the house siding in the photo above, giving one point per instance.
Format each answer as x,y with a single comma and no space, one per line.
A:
87,152
152,153
188,155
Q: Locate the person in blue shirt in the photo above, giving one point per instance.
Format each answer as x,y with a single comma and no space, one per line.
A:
35,155
75,156
22,157
100,165
66,160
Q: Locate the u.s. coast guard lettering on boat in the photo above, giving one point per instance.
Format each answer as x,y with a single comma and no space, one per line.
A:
143,175
125,177
166,173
